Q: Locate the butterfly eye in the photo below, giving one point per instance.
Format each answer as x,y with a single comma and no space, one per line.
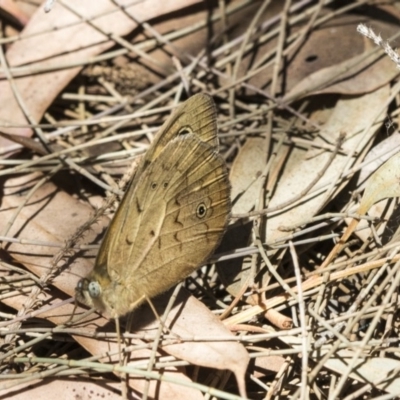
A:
153,185
94,289
165,185
201,210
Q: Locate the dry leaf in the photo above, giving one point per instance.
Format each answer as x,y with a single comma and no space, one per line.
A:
383,183
245,173
42,47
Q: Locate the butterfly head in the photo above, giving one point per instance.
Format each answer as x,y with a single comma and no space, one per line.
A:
113,297
89,291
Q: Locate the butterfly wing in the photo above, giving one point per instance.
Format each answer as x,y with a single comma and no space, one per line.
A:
177,216
171,218
197,116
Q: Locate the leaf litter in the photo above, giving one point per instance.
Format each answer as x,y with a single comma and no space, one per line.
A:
305,104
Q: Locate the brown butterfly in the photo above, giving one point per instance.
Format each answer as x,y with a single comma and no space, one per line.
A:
171,218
